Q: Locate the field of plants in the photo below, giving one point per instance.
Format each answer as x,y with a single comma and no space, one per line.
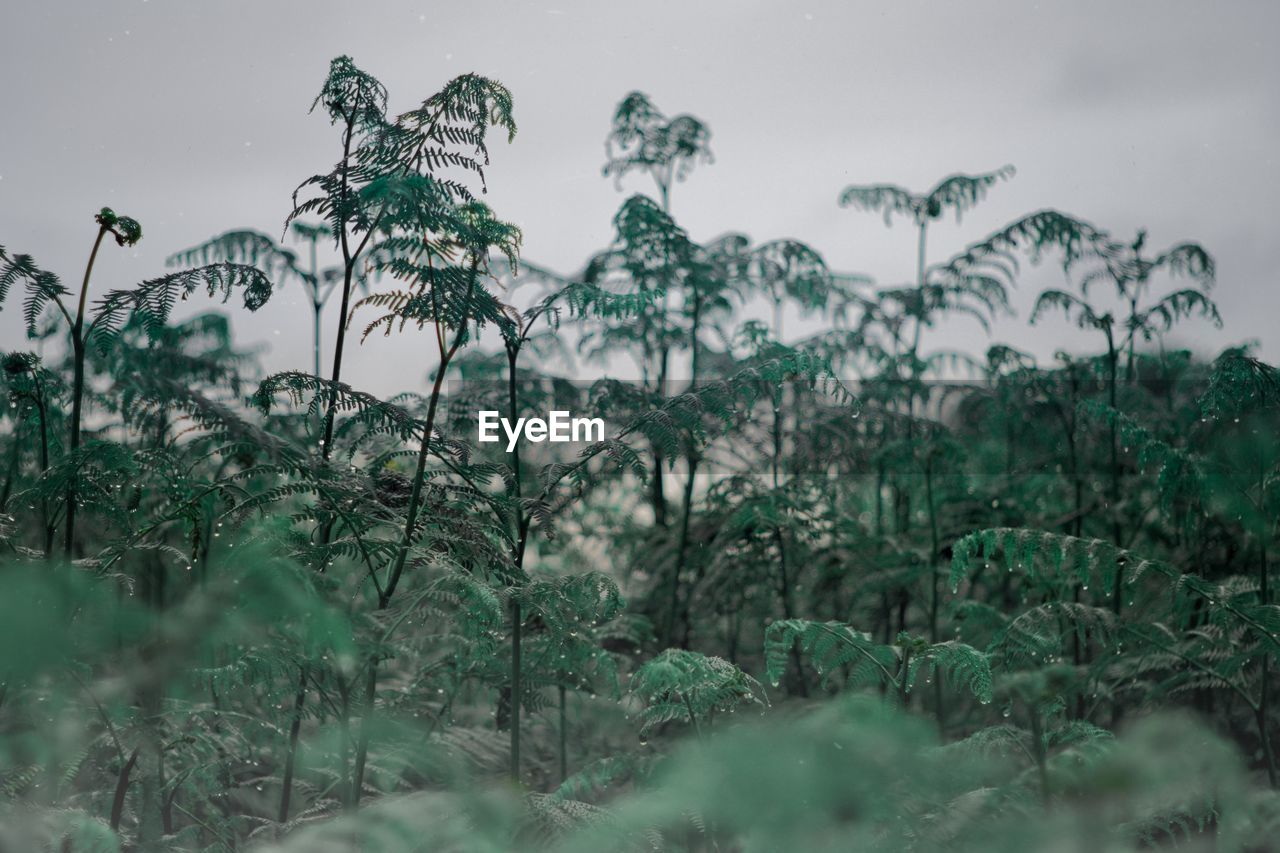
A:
825,589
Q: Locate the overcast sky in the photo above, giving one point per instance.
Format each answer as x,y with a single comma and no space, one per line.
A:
192,117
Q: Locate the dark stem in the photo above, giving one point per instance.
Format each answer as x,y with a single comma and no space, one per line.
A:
348,269
564,727
77,391
934,592
657,494
326,446
517,625
291,754
1264,687
1113,440
345,781
920,287
402,552
693,718
424,449
674,611
682,551
902,676
316,306
1038,749
362,746
122,788
788,608
11,472
521,541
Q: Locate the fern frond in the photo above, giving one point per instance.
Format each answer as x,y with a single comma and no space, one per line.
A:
685,686
151,303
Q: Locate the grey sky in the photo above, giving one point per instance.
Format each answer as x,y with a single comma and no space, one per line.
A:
192,117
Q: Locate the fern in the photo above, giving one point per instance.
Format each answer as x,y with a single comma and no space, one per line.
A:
957,192
834,649
687,687
151,303
643,138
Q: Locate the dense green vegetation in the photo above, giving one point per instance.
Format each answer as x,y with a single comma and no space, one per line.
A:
832,591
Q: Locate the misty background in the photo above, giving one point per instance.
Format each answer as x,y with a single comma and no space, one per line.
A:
192,118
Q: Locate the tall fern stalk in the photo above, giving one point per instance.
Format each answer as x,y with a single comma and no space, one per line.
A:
349,260
126,232
521,539
643,139
77,390
385,591
1264,687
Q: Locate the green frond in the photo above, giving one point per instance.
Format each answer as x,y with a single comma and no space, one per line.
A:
450,128
1172,307
957,192
43,288
1046,557
960,663
352,95
151,303
886,198
688,687
1040,634
1237,384
243,246
962,192
643,138
304,388
834,649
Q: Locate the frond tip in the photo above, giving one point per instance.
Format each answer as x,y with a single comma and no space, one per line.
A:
127,231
